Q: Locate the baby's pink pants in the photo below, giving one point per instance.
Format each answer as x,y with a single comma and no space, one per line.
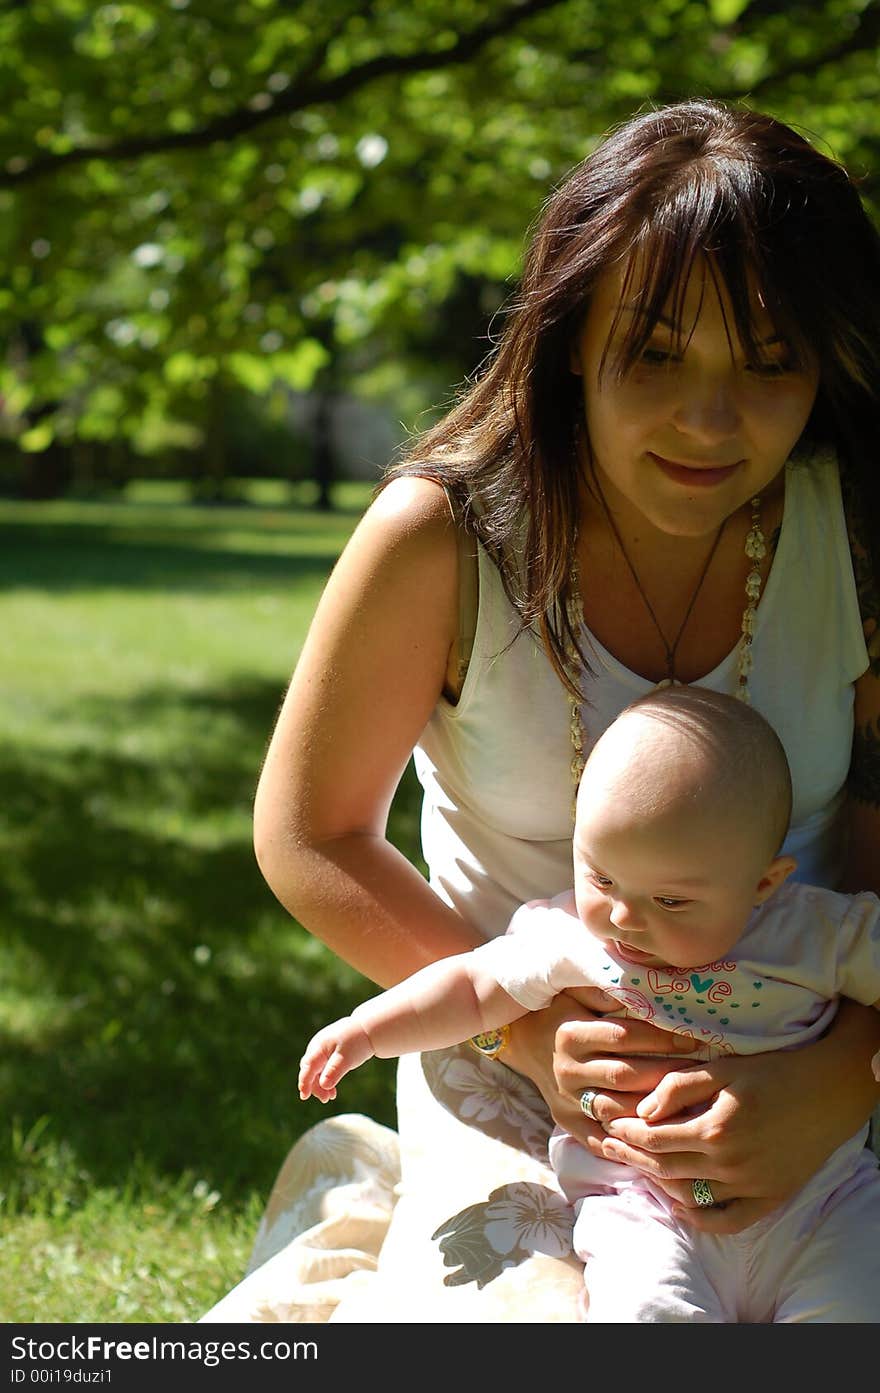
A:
815,1259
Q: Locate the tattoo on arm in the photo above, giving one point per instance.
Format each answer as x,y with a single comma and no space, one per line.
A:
863,782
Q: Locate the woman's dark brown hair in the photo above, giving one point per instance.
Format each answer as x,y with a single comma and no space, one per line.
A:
698,177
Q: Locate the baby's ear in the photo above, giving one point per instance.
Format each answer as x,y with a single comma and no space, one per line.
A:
779,870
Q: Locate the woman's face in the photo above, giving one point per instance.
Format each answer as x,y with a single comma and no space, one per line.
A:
693,430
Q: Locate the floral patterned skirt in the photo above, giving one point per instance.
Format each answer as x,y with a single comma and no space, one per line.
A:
458,1218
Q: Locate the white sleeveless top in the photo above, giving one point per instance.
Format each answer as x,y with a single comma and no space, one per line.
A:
496,767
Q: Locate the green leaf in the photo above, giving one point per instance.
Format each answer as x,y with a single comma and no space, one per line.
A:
37,439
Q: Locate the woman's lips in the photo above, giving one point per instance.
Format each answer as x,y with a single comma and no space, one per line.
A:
694,475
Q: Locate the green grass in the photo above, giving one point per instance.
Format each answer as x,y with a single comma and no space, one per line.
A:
156,997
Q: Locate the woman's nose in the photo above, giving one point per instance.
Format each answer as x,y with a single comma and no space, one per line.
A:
708,412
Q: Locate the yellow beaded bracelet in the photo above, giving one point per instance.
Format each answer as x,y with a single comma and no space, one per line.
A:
490,1043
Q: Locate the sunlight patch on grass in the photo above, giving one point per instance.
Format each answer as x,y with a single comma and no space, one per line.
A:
166,1259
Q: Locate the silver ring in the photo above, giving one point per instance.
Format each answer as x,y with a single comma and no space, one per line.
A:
587,1104
702,1192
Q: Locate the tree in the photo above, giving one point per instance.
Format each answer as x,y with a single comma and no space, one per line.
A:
204,195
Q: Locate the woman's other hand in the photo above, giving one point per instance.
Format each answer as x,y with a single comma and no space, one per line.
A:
752,1126
573,1044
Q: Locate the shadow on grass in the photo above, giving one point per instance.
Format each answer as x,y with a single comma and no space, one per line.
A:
53,557
185,992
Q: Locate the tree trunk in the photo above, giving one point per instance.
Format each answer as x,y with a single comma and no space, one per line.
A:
323,454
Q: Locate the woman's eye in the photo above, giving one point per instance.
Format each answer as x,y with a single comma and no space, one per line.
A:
656,357
769,368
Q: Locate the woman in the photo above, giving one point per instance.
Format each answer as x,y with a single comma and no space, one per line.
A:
643,486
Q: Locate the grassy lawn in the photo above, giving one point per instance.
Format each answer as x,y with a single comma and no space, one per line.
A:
156,997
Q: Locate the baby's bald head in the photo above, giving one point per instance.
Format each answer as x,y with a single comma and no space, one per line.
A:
687,750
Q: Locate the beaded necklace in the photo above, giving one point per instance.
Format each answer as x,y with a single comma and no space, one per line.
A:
755,550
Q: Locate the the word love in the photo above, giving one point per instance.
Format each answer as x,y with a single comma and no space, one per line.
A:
663,981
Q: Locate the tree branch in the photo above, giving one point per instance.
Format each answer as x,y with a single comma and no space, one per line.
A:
297,97
865,36
315,59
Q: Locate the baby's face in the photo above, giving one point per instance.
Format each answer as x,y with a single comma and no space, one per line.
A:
672,888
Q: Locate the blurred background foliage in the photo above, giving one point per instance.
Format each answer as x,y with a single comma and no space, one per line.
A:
218,218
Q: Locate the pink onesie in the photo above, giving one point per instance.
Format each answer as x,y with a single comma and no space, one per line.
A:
816,1258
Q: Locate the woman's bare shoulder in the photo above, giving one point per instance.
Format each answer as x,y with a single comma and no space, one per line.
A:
408,533
396,579
410,502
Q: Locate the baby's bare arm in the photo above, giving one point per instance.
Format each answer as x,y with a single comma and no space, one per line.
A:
441,1005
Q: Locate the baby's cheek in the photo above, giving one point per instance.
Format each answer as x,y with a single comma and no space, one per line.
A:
593,911
597,905
678,948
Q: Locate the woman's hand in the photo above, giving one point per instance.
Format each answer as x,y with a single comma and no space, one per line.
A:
757,1128
727,1104
572,1045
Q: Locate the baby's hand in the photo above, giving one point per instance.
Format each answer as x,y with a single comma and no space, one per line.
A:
330,1055
875,1065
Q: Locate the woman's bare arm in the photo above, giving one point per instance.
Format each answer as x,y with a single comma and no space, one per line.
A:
369,676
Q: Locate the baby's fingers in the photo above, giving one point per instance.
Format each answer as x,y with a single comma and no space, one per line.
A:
313,1075
335,1069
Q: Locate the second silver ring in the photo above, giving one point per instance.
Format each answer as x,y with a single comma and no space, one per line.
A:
703,1196
587,1097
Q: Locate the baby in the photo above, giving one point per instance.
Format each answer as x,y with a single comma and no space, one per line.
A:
683,912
